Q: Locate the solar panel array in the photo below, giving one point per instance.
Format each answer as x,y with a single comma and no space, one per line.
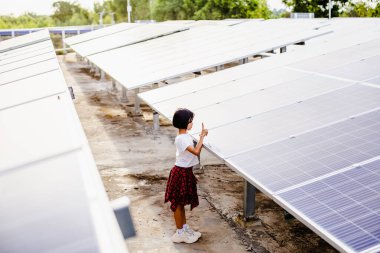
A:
52,198
22,41
196,49
123,38
303,127
105,31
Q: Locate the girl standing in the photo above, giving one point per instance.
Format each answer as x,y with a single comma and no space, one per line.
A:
181,188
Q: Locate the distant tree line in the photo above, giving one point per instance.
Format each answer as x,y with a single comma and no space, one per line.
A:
68,13
340,8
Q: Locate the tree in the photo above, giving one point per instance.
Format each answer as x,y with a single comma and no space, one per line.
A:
68,13
318,7
210,9
362,9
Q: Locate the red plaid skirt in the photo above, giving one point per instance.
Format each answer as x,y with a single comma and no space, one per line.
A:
181,188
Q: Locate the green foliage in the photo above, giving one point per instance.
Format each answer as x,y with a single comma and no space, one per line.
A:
362,9
27,20
68,13
210,9
71,13
318,7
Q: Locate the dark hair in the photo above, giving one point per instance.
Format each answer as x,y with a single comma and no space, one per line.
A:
182,117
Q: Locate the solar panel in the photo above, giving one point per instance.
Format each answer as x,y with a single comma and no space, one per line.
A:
54,217
286,148
24,40
64,207
44,118
345,205
311,155
38,47
375,80
199,48
26,62
254,103
124,38
28,71
340,58
106,31
30,89
264,128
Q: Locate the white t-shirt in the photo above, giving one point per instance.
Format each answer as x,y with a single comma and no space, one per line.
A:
183,157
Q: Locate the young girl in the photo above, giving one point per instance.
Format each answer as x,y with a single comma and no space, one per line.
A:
181,188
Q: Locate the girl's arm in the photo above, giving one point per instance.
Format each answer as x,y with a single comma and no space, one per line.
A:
197,150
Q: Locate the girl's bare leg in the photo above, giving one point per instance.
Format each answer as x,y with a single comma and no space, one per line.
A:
180,217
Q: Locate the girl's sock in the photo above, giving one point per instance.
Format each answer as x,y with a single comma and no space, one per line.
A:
180,231
185,226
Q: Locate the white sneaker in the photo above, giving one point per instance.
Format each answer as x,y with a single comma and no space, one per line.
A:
185,237
190,231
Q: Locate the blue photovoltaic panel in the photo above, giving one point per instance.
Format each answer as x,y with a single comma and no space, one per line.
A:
265,128
346,205
311,155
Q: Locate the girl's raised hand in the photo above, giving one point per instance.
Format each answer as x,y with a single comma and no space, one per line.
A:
204,131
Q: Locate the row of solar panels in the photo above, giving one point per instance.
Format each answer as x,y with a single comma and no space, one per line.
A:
303,127
286,123
144,55
52,198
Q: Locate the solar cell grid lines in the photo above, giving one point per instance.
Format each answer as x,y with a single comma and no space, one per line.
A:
363,57
38,120
28,71
25,40
245,100
26,62
314,154
346,205
26,56
29,89
124,38
106,31
291,120
284,140
32,49
199,48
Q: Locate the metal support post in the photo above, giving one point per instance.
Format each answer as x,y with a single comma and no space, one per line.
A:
137,102
92,68
156,121
114,89
220,67
329,9
282,50
124,97
13,33
249,200
129,10
63,42
97,73
102,75
243,61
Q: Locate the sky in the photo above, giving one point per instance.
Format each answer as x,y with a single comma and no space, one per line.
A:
44,7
